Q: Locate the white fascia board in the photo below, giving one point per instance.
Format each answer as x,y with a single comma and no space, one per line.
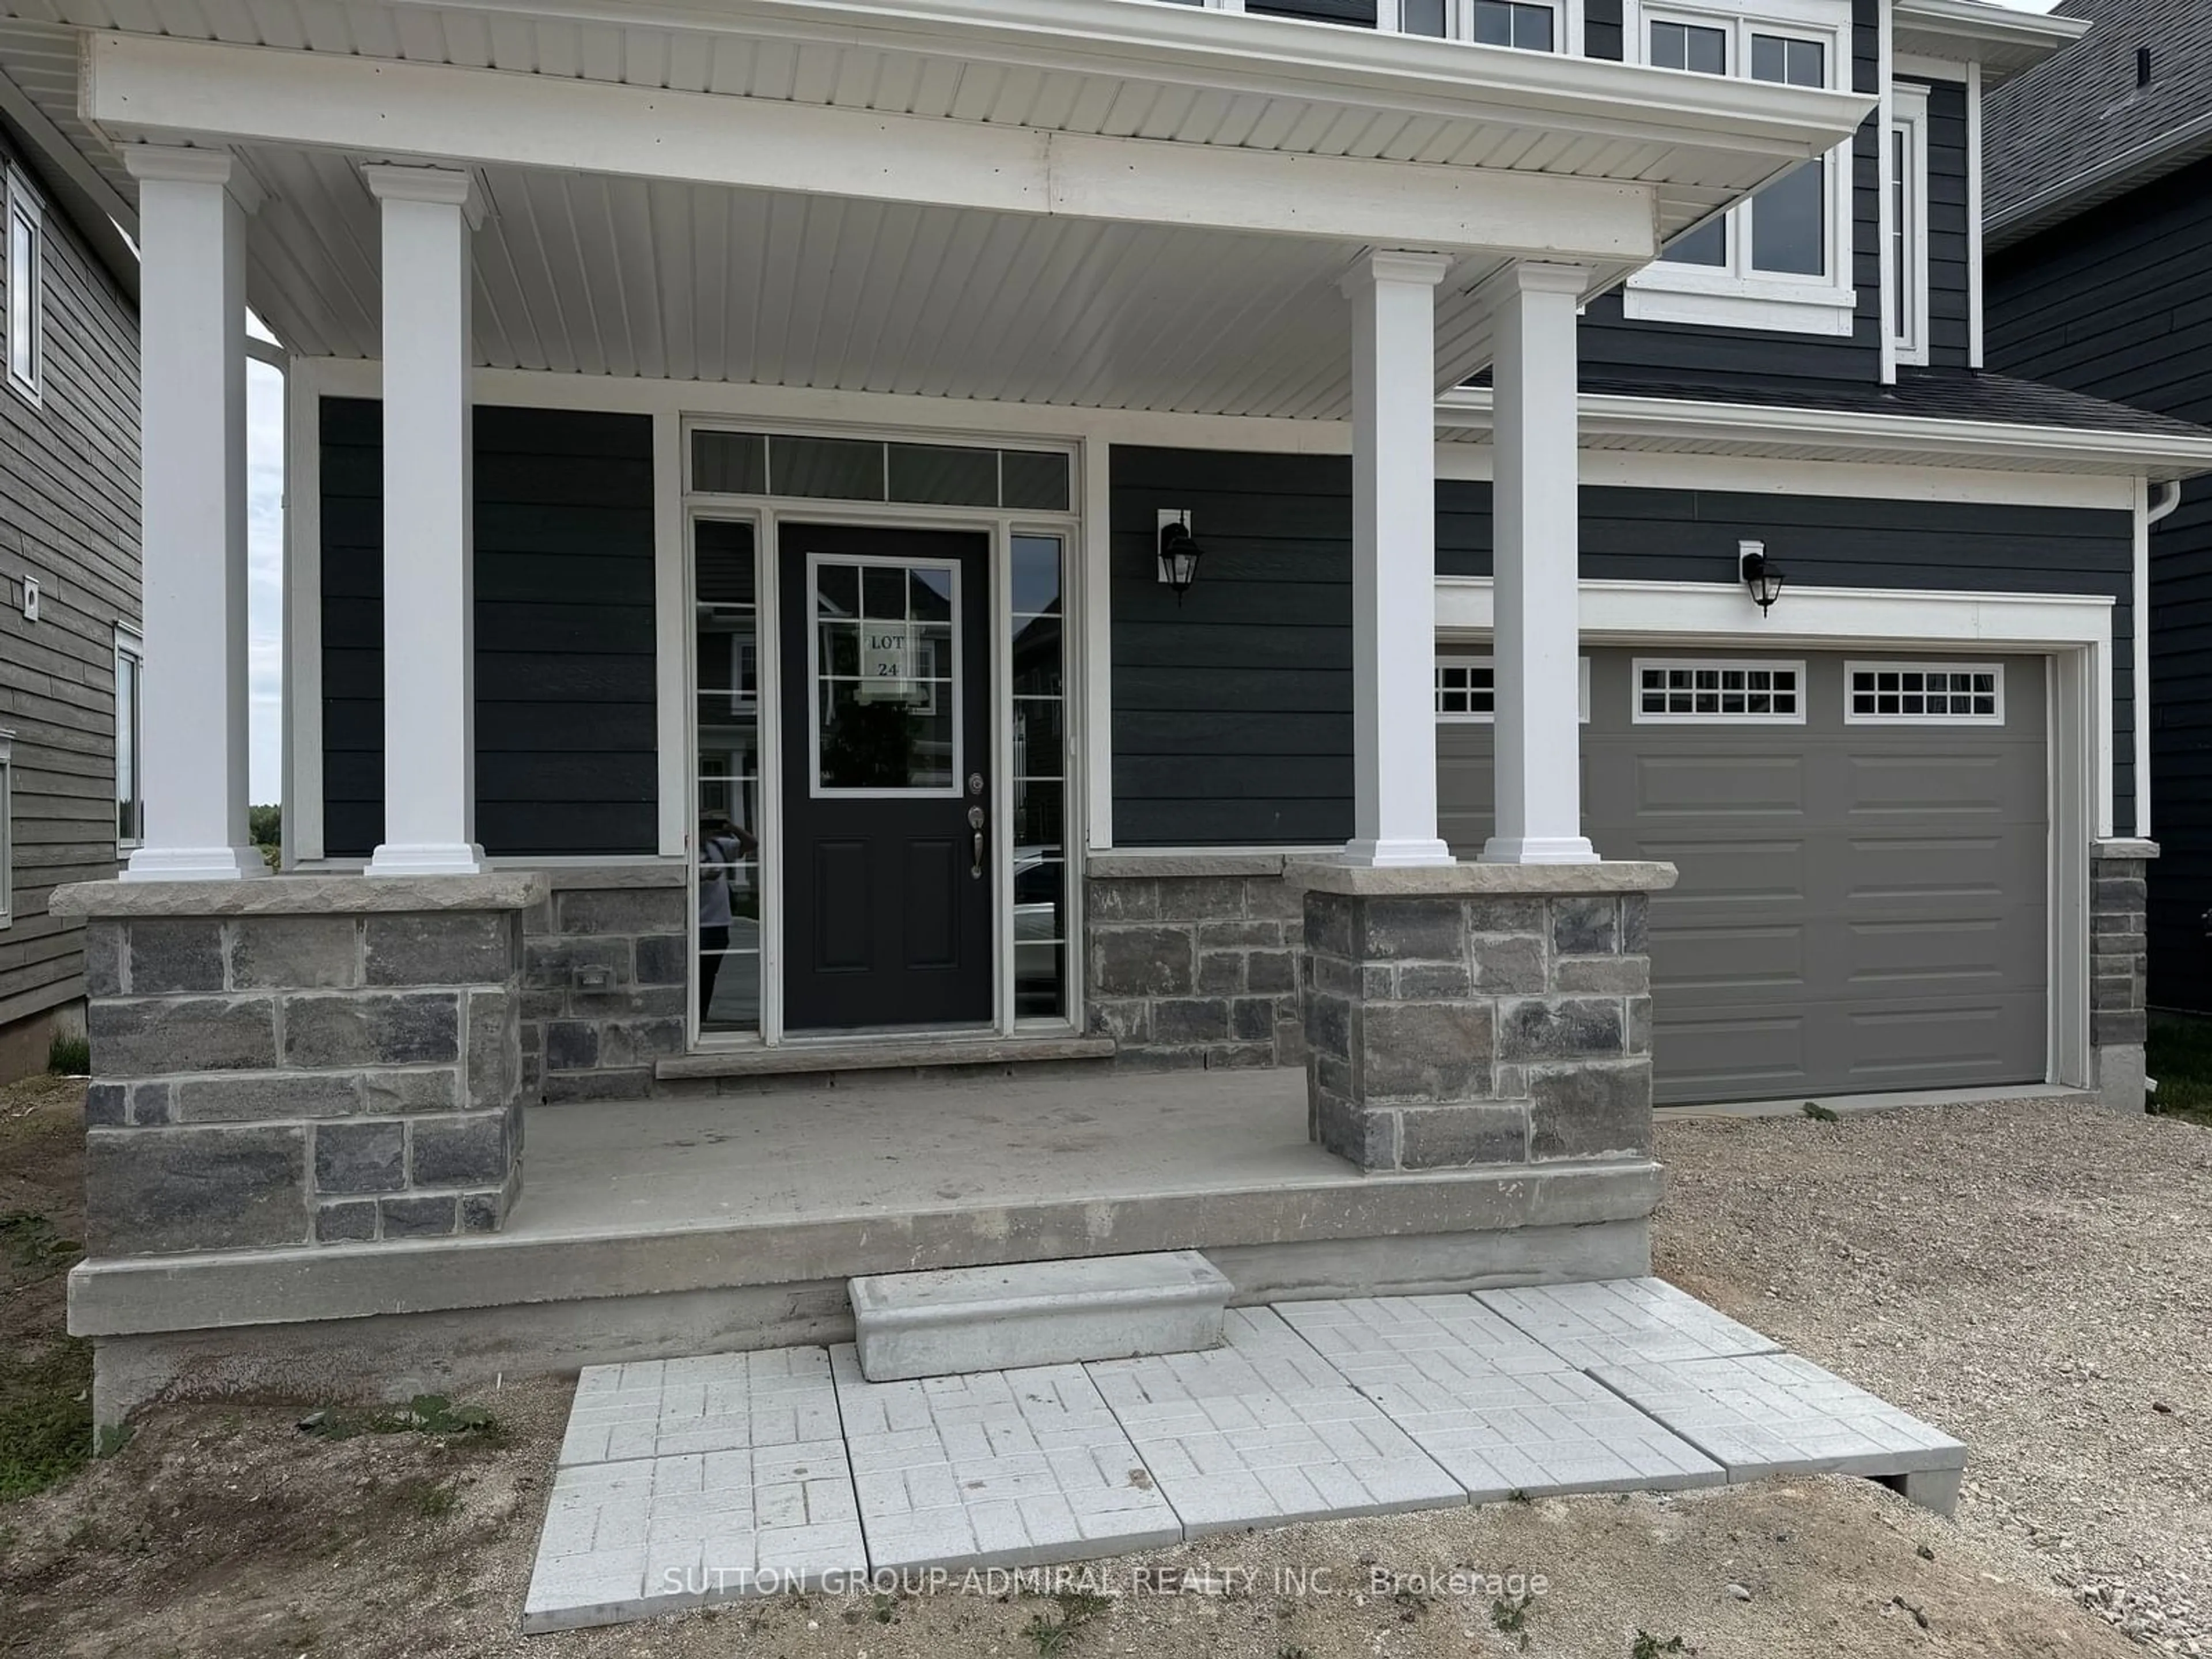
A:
2004,42
1760,475
2155,456
143,85
1807,618
1205,48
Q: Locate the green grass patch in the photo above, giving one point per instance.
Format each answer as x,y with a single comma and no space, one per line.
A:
2180,1057
69,1056
46,1416
427,1413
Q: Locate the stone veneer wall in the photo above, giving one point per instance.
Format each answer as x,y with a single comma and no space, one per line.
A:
2118,1024
1193,958
301,1059
1480,1014
606,967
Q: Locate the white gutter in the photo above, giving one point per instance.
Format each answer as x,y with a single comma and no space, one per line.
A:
2160,457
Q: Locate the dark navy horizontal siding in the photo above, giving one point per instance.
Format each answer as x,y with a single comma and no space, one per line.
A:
2116,303
1232,714
1671,353
566,731
1949,286
1232,711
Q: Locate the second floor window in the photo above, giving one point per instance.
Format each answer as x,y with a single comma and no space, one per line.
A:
130,796
1525,25
1783,231
1780,261
1906,269
24,277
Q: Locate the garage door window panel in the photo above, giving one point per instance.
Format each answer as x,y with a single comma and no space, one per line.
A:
1923,694
1693,692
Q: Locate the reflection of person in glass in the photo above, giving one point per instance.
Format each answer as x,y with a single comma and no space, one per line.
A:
722,846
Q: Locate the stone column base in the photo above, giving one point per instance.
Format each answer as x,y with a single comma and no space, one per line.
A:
303,1060
2119,899
1478,1013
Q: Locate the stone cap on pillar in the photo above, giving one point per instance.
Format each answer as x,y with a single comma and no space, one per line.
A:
1444,880
301,895
2124,848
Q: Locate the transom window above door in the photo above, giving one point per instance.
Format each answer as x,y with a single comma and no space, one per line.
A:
1782,259
812,468
885,669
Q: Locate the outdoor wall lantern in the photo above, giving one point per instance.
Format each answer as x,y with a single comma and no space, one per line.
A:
1759,577
1179,553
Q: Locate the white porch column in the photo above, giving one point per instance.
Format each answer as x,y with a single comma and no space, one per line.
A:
1393,559
429,548
1536,541
192,743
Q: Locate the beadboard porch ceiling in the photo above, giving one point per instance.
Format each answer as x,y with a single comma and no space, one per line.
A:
588,274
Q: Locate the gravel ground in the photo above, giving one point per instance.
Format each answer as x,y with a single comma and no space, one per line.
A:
2034,1278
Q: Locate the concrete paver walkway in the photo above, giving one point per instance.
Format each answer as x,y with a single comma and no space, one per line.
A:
687,1482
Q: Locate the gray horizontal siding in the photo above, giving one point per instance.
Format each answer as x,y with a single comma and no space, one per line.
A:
565,734
1671,353
68,517
1232,713
2116,303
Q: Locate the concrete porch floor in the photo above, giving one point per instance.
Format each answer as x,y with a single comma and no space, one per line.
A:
654,1229
910,1145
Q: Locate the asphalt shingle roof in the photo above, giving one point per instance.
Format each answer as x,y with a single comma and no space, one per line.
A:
2080,112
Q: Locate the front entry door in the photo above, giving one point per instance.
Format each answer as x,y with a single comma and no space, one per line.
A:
885,644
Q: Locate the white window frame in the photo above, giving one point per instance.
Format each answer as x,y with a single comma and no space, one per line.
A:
1853,668
1446,657
1736,295
1459,23
7,829
1638,716
26,381
129,646
1908,220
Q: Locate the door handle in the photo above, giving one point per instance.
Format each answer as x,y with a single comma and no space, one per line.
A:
975,822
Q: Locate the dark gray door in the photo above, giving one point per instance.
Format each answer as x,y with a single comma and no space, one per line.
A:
1862,906
886,680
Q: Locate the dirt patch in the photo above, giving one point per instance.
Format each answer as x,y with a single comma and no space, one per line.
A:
229,1533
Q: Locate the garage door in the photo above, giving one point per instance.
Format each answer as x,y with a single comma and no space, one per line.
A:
1863,844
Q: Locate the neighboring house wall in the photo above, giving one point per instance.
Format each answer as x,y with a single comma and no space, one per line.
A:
1232,718
2115,303
68,519
566,739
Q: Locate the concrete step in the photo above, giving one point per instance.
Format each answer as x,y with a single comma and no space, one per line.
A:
958,1320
